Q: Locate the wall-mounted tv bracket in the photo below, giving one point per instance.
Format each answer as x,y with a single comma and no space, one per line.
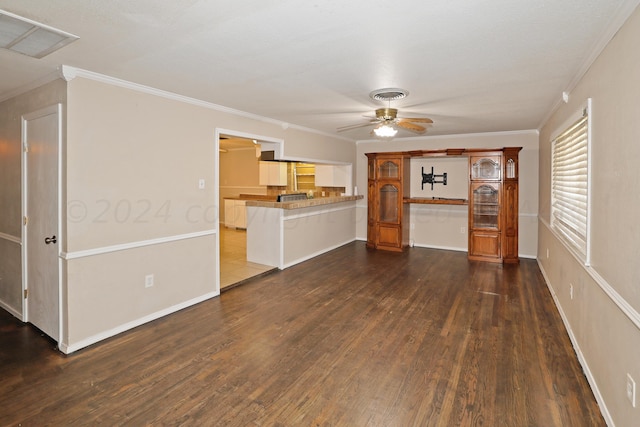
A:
431,178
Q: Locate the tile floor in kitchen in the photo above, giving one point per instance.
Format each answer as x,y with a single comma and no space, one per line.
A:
234,267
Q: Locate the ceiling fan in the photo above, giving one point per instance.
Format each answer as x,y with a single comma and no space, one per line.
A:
386,120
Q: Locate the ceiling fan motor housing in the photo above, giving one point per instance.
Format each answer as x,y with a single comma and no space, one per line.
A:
386,113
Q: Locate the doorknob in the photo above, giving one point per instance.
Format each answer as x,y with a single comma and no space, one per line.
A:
51,239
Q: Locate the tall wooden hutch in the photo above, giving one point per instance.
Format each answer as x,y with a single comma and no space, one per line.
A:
493,201
388,185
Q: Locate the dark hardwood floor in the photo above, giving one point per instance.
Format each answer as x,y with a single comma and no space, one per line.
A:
351,338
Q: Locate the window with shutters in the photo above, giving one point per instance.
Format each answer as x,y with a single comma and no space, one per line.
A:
570,183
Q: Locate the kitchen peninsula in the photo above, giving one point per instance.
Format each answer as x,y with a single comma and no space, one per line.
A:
282,234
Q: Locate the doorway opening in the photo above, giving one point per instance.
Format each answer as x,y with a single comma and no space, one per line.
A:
238,181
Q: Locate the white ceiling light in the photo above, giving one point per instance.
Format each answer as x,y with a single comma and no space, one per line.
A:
30,38
385,131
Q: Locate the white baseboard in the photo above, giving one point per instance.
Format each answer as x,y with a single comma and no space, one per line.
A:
315,254
11,310
66,348
574,342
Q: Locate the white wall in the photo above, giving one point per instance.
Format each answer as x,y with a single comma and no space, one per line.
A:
603,317
134,158
11,112
308,232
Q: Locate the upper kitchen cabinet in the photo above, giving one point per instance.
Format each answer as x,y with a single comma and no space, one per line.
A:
332,175
273,173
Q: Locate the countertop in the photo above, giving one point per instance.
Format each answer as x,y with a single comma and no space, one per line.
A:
261,197
298,204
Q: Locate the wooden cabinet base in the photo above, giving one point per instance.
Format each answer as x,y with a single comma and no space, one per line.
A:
485,246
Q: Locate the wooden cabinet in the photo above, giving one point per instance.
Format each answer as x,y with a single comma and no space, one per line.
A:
493,205
484,220
388,181
510,205
493,201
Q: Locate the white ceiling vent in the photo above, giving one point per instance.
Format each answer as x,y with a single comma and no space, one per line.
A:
29,37
388,94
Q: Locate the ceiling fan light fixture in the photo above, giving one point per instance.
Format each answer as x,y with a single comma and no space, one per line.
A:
385,131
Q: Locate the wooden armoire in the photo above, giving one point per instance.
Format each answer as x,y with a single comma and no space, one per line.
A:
388,185
493,201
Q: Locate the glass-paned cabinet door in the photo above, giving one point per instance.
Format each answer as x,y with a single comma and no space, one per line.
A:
389,204
388,169
485,168
486,206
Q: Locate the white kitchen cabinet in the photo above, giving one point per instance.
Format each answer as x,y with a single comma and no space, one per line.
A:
229,213
332,175
273,173
240,210
235,213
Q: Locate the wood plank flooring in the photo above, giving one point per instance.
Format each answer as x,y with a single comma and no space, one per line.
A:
351,338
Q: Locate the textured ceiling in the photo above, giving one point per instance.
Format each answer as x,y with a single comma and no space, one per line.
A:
471,66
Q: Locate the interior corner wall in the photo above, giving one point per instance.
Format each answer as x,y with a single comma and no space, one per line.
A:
11,112
134,212
603,317
438,226
134,158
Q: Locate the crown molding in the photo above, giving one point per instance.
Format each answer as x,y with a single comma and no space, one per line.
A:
69,73
616,22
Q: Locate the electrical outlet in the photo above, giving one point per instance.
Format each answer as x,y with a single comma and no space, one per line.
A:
412,226
547,253
571,290
148,280
631,390
463,230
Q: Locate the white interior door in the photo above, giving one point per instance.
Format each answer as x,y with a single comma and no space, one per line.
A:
41,139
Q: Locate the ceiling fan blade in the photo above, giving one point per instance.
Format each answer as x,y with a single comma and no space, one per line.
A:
416,119
360,125
410,126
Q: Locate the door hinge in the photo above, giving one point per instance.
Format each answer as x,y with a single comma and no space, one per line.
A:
26,148
25,220
26,293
